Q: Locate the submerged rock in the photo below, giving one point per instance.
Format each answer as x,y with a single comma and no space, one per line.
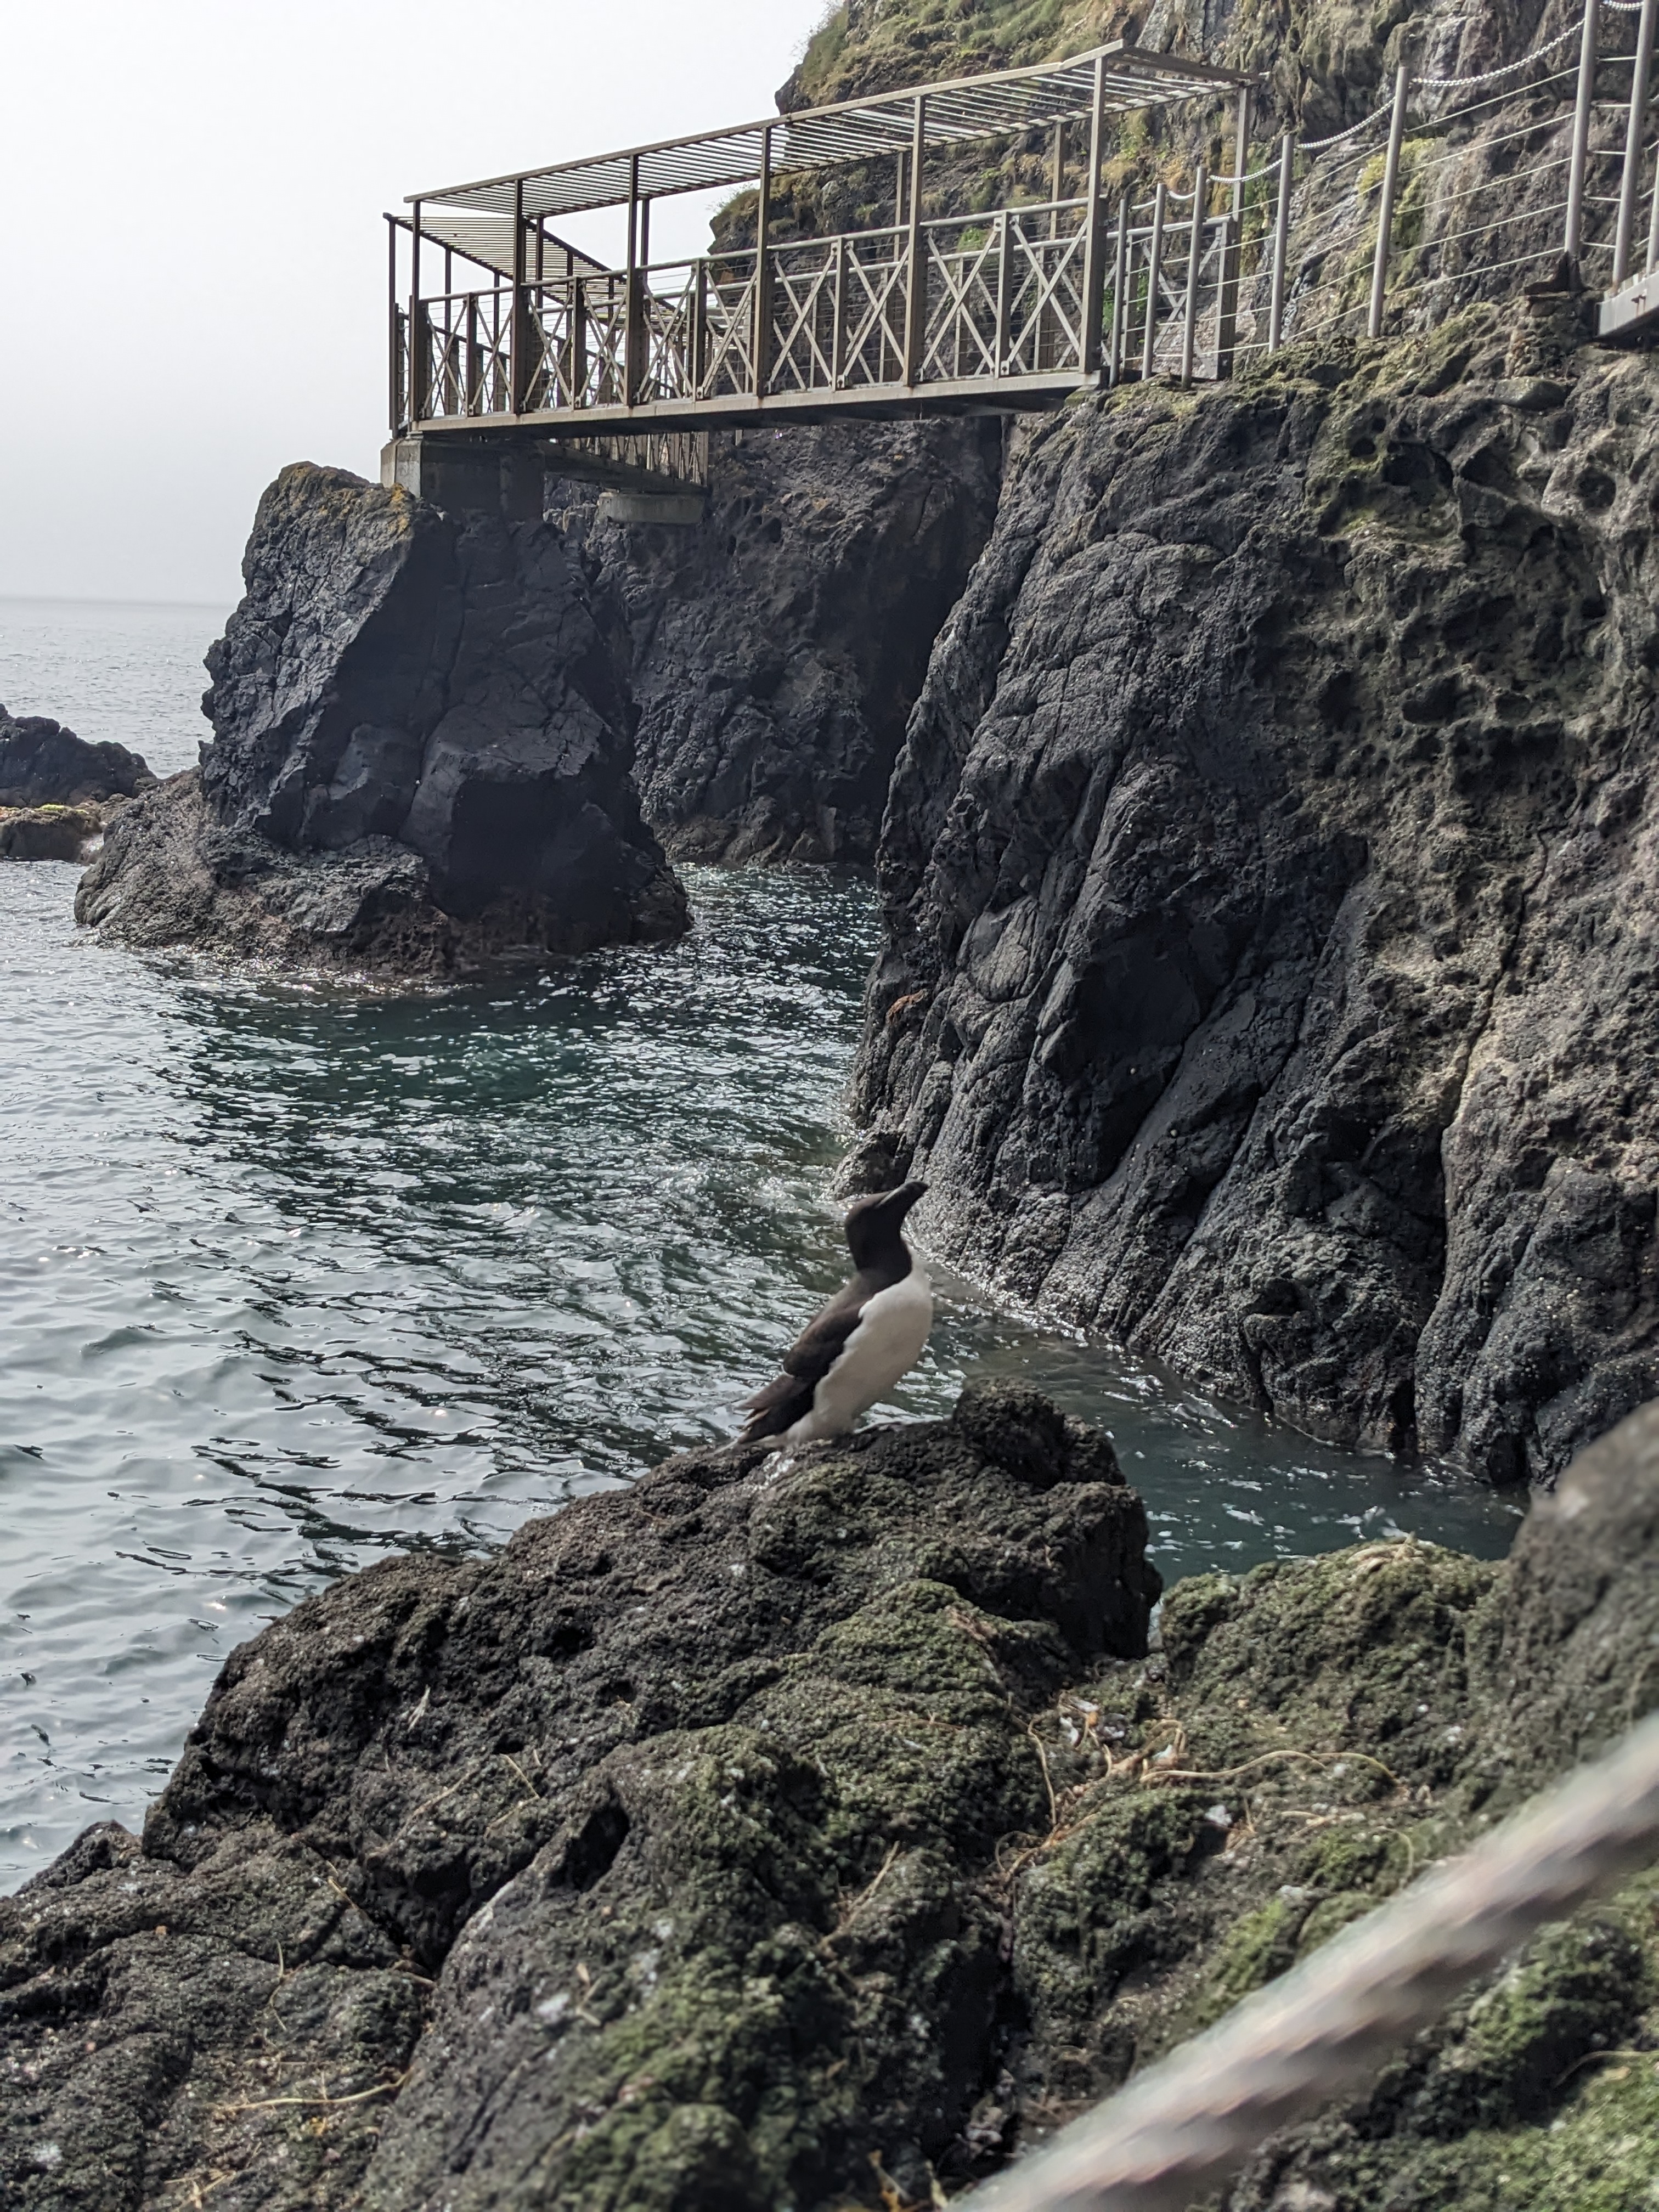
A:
776,650
1270,892
421,753
43,764
816,1837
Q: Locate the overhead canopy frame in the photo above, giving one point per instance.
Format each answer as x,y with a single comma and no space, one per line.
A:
1000,105
487,240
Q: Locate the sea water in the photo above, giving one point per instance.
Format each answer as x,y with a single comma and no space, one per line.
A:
293,1278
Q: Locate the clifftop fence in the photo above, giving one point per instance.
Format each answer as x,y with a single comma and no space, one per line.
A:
1539,172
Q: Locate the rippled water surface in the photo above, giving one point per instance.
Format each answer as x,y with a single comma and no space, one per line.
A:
291,1279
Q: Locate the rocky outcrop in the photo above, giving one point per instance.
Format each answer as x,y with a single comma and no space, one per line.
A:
816,1837
690,1801
1271,893
43,764
51,833
776,650
421,753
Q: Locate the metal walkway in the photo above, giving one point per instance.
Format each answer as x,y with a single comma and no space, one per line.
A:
512,352
997,310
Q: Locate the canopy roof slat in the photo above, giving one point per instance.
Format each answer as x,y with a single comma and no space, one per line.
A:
487,240
1000,104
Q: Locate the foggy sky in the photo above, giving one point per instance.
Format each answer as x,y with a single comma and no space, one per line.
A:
193,257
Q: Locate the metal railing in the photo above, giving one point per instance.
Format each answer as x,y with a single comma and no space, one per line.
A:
1401,219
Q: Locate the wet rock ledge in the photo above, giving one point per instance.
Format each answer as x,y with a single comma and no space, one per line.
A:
58,793
420,755
744,1839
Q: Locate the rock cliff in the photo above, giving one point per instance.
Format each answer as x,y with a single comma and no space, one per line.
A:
816,1838
1271,893
421,754
775,651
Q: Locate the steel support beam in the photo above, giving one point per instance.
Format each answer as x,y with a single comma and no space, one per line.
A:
420,353
1227,326
1154,280
394,336
631,293
760,342
1195,262
519,350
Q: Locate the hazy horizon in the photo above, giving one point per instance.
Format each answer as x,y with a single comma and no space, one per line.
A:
198,295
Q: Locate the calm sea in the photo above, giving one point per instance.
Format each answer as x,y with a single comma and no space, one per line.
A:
295,1278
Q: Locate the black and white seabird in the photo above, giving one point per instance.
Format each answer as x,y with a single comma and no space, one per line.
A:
851,1354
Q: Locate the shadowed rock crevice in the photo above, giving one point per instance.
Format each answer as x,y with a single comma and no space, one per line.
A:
775,651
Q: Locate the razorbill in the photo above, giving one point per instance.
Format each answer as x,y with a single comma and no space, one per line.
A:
851,1353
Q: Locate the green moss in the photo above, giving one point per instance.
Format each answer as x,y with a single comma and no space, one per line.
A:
1353,1859
1577,1990
1599,2155
1257,1949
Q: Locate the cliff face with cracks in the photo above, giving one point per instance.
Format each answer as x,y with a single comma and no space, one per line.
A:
816,1837
1271,893
775,651
422,754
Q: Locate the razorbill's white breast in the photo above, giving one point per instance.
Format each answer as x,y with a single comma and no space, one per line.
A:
851,1354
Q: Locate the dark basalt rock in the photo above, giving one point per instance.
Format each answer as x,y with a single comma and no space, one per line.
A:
754,1837
691,1800
776,650
43,764
421,753
1270,893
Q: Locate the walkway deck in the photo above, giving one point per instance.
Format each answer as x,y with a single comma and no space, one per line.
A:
997,310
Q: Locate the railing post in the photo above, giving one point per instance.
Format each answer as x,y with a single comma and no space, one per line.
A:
419,350
1281,243
838,320
1005,288
915,275
1232,248
578,342
474,366
1056,178
1631,183
1120,279
631,294
698,365
1385,211
760,342
394,336
1094,241
1194,262
1154,278
1573,237
518,329
1653,233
